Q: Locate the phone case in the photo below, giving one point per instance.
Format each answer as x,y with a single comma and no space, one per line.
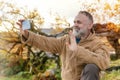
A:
26,25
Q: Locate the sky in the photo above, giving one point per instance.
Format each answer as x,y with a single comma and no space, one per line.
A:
65,8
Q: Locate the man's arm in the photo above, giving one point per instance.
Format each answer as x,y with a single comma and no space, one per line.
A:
100,56
49,44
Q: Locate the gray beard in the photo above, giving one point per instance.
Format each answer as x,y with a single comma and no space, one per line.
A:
79,33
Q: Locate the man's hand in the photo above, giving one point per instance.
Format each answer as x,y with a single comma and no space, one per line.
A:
23,32
72,45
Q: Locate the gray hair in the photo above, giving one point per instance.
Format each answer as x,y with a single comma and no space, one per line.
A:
87,14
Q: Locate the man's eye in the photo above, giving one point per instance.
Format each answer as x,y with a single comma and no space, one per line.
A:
78,22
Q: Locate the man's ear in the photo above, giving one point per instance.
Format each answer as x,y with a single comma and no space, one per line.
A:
90,26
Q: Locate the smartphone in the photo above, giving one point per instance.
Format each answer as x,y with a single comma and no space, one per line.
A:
26,25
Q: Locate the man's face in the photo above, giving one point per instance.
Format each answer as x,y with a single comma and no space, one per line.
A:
81,25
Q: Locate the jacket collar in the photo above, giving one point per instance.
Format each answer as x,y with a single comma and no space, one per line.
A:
90,37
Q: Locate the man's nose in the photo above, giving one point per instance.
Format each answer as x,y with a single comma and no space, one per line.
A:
75,24
75,27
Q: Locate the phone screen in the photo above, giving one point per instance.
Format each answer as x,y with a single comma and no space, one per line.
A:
26,25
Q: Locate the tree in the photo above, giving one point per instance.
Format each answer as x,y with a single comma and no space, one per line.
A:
27,57
107,17
112,32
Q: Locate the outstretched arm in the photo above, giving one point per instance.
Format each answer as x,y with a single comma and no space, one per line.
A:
49,44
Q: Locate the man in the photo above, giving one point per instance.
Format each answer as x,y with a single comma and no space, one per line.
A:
82,54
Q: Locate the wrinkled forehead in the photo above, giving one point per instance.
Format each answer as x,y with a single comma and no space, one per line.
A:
81,18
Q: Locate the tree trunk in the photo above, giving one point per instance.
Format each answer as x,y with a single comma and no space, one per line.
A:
115,44
117,48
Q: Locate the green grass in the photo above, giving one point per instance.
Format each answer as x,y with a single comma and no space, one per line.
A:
14,78
113,75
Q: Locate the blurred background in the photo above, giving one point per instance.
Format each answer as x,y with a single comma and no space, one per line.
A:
52,18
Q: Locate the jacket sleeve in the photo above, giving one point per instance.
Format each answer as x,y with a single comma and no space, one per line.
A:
49,44
100,56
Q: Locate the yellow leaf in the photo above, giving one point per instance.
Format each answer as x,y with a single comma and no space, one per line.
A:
47,73
116,7
107,6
